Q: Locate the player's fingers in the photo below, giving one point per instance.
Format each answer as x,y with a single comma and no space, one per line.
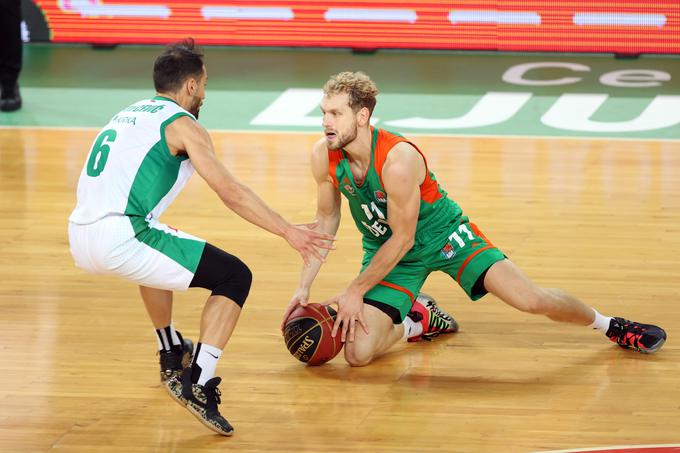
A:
324,244
334,332
324,236
363,323
345,323
305,258
289,310
318,255
352,324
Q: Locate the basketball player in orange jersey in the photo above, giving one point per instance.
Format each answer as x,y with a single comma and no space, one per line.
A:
411,228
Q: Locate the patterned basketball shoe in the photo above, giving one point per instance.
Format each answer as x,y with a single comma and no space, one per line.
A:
200,400
173,362
644,338
434,320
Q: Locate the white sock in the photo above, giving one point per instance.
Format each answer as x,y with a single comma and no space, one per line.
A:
411,328
204,363
167,338
601,322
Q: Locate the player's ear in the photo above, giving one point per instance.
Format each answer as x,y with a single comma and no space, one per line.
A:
363,116
191,85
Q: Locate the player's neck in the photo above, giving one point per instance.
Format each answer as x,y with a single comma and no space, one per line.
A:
360,149
172,96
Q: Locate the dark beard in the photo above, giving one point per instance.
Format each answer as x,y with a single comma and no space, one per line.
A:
195,109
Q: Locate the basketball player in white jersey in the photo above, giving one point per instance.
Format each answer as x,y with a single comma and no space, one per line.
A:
138,164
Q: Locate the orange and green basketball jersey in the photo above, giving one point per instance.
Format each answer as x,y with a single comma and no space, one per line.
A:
368,200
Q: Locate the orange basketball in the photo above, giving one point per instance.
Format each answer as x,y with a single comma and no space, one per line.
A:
307,333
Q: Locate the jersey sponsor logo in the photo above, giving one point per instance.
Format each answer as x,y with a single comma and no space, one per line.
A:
125,120
380,196
447,251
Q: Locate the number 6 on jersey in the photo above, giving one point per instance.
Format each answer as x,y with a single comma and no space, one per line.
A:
100,152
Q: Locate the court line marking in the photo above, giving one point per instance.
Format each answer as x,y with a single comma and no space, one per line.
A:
613,447
410,134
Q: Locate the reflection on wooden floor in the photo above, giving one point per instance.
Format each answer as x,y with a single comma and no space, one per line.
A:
600,219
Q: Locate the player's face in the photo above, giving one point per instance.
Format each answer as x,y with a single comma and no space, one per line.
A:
339,120
199,95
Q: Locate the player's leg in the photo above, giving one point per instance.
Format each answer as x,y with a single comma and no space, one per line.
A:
229,280
508,283
155,256
383,334
158,304
479,267
505,280
165,258
174,351
390,315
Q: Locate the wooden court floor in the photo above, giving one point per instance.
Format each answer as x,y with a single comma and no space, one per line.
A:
597,218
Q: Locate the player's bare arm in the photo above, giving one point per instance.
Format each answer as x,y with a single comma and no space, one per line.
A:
327,218
185,135
403,172
327,204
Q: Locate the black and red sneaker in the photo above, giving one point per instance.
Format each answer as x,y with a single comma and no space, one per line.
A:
644,338
434,320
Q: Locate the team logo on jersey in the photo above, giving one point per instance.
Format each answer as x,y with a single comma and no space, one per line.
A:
447,251
350,190
380,196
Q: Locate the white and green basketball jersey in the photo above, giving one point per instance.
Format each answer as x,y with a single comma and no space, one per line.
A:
129,170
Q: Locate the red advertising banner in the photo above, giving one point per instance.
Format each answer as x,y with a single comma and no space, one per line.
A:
623,26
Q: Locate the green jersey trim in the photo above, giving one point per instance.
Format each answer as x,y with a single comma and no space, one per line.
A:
186,252
163,98
149,187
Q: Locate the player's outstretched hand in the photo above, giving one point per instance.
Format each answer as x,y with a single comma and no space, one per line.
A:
307,242
301,297
350,311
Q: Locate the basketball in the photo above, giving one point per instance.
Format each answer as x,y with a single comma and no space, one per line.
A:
308,334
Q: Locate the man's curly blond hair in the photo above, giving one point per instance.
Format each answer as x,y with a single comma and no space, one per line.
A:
359,87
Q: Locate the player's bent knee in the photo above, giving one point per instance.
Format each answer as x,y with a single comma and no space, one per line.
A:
223,274
356,355
236,284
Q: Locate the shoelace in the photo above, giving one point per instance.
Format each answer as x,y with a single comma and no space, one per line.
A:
629,334
434,308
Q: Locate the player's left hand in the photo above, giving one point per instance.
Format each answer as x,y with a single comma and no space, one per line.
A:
350,311
300,298
308,242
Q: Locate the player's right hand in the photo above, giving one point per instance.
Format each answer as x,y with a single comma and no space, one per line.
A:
301,297
307,242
